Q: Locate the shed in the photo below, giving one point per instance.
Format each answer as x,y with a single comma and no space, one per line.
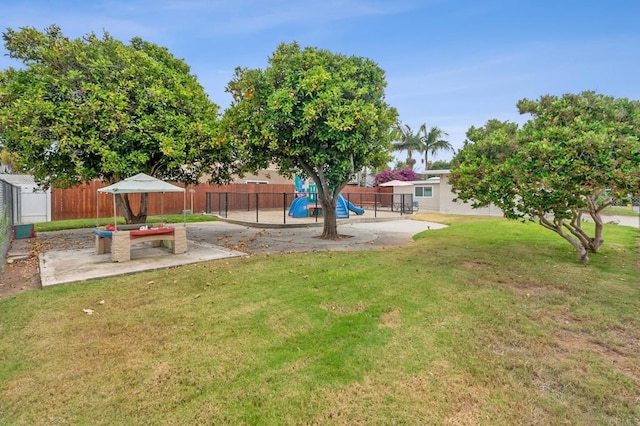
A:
31,203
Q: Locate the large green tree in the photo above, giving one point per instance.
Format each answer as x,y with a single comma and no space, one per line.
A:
96,108
315,113
575,155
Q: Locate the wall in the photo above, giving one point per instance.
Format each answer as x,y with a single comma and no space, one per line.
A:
35,205
447,205
428,203
268,175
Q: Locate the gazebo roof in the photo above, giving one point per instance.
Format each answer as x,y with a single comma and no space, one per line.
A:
140,183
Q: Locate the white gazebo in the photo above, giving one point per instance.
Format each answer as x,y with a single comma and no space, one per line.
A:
140,183
120,241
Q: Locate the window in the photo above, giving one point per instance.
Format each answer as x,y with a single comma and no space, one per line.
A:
259,182
423,191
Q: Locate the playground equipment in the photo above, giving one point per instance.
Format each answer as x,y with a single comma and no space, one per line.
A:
306,203
300,207
344,206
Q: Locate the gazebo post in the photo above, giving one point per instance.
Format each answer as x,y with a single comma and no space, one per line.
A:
97,209
115,216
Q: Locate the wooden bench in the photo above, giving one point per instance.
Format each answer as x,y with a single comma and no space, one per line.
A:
120,242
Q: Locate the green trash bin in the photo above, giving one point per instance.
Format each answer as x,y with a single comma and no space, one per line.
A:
23,231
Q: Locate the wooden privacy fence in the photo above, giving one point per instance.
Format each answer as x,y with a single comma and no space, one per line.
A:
84,201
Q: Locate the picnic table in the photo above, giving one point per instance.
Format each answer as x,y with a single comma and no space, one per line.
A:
120,240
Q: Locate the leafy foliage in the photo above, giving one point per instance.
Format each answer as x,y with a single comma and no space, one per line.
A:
426,141
96,108
575,156
440,165
433,141
407,140
313,113
389,175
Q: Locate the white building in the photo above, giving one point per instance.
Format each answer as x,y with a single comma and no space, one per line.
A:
435,195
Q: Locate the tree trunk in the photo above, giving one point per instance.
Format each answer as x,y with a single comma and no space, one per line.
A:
597,240
328,198
330,229
591,244
557,226
124,205
411,163
583,254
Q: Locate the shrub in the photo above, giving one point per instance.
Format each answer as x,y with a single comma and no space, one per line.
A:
389,175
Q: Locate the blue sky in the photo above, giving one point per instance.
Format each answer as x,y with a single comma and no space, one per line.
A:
449,63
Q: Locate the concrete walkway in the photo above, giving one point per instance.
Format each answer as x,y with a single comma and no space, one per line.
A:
73,258
67,266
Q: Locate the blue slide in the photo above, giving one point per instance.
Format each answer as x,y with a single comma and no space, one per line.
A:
343,206
357,210
299,207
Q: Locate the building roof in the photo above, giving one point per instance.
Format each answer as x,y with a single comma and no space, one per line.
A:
427,181
14,179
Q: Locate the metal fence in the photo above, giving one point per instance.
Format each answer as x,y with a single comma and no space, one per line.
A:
9,209
634,203
224,203
631,202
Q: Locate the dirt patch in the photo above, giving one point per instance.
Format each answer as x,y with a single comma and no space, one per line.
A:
21,272
473,265
391,319
618,355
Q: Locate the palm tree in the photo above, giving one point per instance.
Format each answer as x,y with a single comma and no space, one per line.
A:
406,140
432,141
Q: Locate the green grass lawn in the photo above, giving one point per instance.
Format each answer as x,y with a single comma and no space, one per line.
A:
484,322
620,211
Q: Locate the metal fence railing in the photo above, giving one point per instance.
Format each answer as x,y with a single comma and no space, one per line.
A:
8,212
221,203
631,202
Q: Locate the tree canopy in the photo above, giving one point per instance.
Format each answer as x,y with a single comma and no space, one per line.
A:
96,108
314,113
573,157
439,165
